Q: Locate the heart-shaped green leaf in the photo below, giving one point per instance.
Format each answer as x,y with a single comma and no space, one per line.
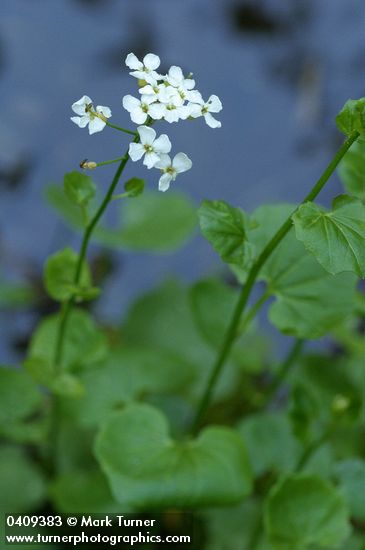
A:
79,188
153,222
84,342
59,275
265,436
147,469
128,373
19,395
351,476
22,485
336,238
225,228
351,118
80,492
304,510
352,170
309,301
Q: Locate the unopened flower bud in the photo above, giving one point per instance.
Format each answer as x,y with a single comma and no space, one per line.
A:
88,165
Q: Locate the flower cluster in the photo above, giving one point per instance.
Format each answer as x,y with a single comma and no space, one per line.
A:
170,97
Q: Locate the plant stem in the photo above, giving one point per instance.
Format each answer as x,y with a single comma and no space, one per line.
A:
283,370
84,245
112,161
250,315
67,308
251,279
130,132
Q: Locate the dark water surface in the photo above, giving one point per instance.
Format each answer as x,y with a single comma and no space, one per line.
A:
282,68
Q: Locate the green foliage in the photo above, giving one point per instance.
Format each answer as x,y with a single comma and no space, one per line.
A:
134,187
352,170
22,485
309,301
302,511
85,344
80,492
59,277
155,223
350,474
15,295
266,435
225,228
19,396
129,373
351,118
147,469
79,188
335,238
213,303
164,319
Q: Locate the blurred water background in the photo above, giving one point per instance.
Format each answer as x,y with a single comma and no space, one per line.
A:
282,68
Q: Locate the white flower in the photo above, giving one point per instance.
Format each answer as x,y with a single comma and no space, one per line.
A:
184,86
205,108
158,90
140,109
151,147
145,70
171,111
88,116
171,169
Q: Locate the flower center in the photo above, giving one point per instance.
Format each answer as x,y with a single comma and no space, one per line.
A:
170,170
144,107
148,148
205,110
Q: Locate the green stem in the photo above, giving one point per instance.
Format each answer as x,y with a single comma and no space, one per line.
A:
252,276
283,370
112,161
130,132
251,314
67,308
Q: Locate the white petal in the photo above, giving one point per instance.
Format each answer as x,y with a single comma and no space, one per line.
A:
146,134
214,104
157,111
150,160
104,111
175,76
148,99
96,125
133,62
138,116
164,182
172,115
194,96
151,77
181,163
136,151
195,110
189,84
147,90
151,61
79,106
130,103
138,74
211,121
79,121
162,144
164,162
184,112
